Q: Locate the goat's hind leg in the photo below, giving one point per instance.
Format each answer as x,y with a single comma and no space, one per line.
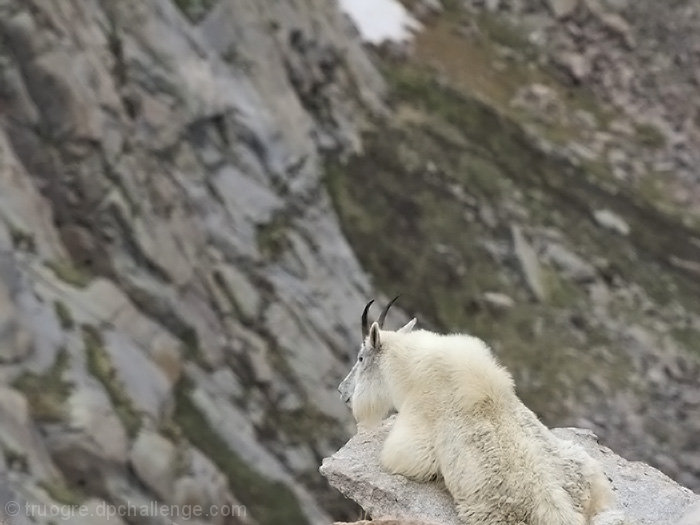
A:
409,450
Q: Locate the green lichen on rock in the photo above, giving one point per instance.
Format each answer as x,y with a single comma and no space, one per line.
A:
68,272
100,366
60,492
650,136
46,393
687,336
64,315
269,502
195,10
191,348
272,237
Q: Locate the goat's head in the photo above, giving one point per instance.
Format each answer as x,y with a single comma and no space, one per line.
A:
364,387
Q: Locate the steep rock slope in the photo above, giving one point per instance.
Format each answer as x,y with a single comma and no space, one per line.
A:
176,298
641,57
524,207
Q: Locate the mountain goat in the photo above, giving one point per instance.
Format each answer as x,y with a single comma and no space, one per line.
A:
460,419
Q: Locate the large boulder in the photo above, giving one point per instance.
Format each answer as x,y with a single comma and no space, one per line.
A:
644,495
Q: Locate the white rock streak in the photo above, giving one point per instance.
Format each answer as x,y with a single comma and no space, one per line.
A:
380,20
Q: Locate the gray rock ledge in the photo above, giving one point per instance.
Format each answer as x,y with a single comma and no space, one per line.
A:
644,494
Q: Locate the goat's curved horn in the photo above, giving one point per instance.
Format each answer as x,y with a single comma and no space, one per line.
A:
382,317
365,326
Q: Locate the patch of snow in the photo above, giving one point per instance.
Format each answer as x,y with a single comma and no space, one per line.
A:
381,20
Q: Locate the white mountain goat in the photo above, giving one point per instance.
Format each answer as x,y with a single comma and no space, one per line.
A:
460,419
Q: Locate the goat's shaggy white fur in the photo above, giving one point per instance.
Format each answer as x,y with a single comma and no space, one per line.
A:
460,419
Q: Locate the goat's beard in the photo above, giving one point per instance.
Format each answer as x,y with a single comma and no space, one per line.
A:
370,405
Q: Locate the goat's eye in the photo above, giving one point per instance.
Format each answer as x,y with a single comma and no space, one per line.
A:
360,359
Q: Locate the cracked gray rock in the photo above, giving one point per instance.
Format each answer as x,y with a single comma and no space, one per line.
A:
644,495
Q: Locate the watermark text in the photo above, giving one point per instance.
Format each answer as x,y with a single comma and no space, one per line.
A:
108,511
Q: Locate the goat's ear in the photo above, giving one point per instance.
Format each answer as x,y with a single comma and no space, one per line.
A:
407,327
374,336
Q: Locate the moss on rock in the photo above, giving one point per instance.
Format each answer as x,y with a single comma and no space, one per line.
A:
100,366
269,502
47,392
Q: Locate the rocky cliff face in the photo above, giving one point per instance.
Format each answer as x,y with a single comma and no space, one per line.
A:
177,301
198,196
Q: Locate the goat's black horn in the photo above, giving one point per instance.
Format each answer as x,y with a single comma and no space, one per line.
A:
382,317
365,326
